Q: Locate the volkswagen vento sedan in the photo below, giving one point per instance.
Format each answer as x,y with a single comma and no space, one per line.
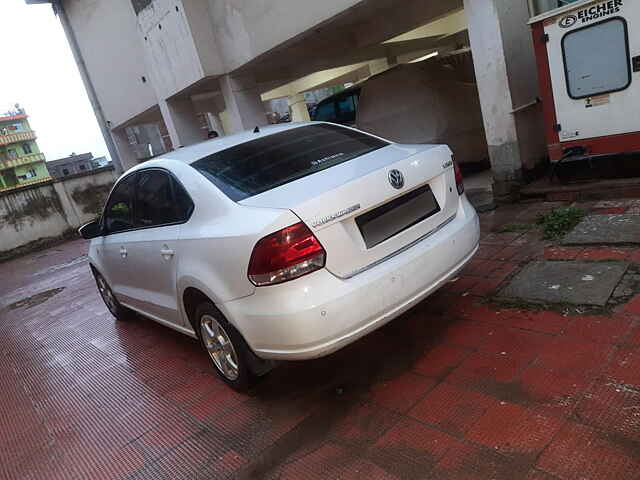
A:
286,243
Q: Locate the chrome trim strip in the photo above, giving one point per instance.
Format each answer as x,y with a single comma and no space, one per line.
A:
402,250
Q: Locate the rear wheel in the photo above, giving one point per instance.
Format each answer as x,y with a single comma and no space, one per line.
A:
230,354
118,311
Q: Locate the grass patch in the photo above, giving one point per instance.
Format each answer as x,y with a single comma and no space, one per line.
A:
558,223
515,228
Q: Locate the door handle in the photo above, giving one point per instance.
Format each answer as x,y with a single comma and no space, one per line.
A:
123,252
167,253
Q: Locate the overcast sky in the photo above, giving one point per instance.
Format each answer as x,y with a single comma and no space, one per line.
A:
38,71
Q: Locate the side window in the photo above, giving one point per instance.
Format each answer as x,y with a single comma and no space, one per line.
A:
118,215
597,59
184,205
326,112
347,109
160,200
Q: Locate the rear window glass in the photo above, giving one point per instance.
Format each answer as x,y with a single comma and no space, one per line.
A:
269,162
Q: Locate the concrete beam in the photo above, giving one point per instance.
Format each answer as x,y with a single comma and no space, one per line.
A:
356,37
312,82
449,25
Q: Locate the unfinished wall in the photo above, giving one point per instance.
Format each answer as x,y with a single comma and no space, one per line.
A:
110,45
51,210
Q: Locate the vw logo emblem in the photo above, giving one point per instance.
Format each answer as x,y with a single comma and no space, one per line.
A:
568,21
396,179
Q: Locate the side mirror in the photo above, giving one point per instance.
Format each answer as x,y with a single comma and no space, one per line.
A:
91,230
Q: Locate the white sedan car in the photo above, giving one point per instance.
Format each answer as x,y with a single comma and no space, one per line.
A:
286,243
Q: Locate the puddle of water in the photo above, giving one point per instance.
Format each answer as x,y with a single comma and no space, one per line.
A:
35,258
60,266
34,300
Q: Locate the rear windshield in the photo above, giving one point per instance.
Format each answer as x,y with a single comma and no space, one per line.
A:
269,162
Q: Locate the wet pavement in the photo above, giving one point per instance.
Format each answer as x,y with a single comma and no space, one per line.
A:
457,388
606,229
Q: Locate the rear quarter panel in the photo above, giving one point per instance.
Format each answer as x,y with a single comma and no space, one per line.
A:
216,243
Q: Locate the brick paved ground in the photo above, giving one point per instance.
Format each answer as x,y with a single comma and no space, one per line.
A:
455,389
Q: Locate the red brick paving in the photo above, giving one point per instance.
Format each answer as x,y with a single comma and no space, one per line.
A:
514,430
602,253
580,452
610,211
455,389
562,253
401,393
452,409
545,322
602,329
633,307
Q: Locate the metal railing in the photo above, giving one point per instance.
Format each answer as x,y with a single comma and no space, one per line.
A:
17,137
19,161
27,183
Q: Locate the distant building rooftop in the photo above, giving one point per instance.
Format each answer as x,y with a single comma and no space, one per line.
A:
70,159
74,164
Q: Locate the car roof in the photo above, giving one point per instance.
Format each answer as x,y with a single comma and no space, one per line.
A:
195,152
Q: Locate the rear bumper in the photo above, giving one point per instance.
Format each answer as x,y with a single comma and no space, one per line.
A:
318,314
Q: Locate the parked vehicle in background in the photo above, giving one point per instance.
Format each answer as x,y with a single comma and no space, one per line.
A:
339,108
286,243
415,103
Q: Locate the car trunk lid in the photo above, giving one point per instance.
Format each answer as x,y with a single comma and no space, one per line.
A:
362,212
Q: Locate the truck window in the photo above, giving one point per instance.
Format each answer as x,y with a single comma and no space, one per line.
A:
597,59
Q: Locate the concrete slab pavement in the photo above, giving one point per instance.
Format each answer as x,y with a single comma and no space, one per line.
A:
605,229
579,283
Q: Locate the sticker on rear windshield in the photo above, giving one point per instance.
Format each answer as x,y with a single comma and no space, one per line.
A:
315,163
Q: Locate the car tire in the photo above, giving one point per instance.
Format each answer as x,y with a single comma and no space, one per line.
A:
231,356
108,297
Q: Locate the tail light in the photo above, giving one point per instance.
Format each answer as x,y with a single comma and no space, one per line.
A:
459,182
282,256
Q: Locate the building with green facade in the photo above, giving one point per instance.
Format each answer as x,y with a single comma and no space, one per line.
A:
21,162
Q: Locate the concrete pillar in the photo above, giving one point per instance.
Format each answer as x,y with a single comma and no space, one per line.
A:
69,209
244,108
298,107
126,153
182,122
506,73
215,123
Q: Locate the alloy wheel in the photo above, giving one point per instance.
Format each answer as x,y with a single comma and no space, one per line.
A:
219,346
107,295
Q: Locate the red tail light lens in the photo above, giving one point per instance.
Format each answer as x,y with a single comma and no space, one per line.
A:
282,256
459,182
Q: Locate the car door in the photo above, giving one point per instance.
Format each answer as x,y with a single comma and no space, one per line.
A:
113,249
161,206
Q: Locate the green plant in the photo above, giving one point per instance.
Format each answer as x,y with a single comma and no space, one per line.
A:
559,222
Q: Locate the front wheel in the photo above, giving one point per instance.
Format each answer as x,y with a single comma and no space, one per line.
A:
228,351
118,311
